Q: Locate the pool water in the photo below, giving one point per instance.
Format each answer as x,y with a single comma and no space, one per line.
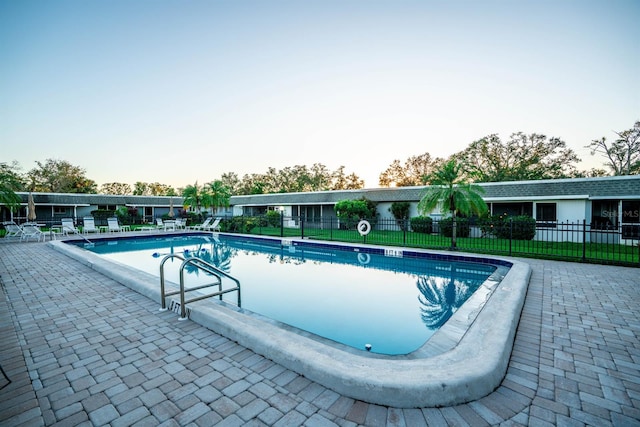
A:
354,296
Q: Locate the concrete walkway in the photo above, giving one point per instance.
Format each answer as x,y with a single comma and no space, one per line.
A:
81,349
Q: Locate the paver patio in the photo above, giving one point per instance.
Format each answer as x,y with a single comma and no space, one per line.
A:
81,349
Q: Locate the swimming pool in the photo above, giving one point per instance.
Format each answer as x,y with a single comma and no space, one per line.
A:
385,303
463,361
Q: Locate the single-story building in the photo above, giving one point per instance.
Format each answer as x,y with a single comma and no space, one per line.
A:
611,205
607,203
50,208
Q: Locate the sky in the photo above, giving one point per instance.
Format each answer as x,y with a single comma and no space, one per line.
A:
179,92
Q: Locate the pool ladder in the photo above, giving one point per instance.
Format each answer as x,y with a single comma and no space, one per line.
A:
202,265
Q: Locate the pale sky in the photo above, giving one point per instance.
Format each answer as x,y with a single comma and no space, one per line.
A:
183,91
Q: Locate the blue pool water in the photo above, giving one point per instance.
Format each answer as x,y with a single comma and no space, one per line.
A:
393,301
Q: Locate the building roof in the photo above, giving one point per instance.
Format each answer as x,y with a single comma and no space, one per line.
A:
83,199
612,187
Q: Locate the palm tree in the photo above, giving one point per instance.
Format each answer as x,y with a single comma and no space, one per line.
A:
217,195
449,188
192,195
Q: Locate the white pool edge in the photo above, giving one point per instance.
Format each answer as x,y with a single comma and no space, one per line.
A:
469,371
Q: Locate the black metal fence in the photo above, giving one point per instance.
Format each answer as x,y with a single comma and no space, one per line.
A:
570,241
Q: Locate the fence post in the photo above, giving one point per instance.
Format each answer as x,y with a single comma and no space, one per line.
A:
584,240
407,224
510,234
281,224
301,228
331,228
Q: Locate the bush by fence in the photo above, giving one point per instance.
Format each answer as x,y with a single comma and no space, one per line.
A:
516,236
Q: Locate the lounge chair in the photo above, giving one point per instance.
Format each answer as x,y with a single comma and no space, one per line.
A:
12,229
114,226
165,225
89,225
69,227
215,226
31,231
202,226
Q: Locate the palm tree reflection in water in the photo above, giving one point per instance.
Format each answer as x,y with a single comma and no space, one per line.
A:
441,297
218,254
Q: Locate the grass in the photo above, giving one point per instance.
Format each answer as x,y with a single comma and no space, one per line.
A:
605,253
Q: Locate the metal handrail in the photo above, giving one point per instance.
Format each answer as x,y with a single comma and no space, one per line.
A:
201,265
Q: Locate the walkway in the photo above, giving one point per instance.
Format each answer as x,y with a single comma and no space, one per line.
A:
83,350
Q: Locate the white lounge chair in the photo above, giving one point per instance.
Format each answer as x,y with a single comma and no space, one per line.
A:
89,225
114,226
215,226
12,230
31,231
202,226
69,227
165,225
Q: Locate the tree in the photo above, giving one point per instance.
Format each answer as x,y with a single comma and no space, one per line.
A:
231,181
353,182
153,189
10,182
449,188
193,197
59,176
294,179
623,155
412,173
115,188
215,195
521,158
340,181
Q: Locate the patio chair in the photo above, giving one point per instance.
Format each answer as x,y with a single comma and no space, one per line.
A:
114,226
69,227
181,224
31,231
202,226
215,226
160,224
12,229
89,225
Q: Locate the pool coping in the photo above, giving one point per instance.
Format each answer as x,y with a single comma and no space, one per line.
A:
470,367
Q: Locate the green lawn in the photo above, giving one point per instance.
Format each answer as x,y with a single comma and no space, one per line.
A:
589,252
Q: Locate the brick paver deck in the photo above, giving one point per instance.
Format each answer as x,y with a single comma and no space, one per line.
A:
81,349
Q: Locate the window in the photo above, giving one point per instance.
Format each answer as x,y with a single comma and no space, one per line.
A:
604,215
631,211
512,209
631,219
107,207
59,210
546,214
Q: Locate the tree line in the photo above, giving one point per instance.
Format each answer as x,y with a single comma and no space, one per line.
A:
488,159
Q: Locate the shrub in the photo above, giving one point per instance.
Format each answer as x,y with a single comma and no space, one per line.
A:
241,224
400,211
422,224
128,215
521,227
273,218
101,215
462,227
524,227
350,212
